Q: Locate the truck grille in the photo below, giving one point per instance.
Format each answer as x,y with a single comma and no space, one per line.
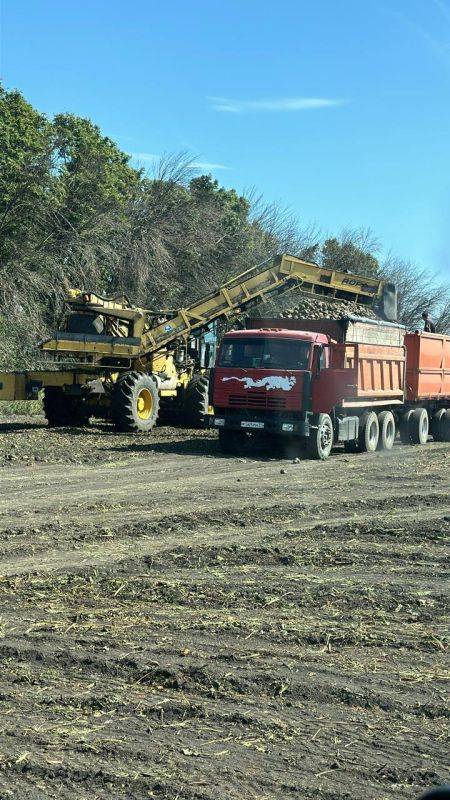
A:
256,400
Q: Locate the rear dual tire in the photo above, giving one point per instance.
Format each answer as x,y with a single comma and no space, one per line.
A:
414,426
386,423
376,432
440,425
368,436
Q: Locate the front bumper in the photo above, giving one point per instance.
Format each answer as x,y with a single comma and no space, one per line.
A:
285,426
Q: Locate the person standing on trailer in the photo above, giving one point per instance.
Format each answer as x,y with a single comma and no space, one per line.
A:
428,324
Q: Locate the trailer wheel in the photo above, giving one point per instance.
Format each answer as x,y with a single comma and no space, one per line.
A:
232,443
405,428
62,410
320,439
135,402
446,426
369,432
440,426
418,426
386,424
195,406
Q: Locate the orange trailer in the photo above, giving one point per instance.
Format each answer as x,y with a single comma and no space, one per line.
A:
428,367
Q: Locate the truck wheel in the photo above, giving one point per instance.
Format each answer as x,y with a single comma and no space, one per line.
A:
62,410
404,427
135,402
440,421
232,443
386,423
418,425
369,432
320,439
445,425
195,406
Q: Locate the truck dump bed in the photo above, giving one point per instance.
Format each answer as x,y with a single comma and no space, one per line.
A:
427,366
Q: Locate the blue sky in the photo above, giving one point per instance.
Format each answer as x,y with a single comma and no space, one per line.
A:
339,109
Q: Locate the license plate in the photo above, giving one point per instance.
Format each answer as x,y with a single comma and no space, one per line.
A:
252,425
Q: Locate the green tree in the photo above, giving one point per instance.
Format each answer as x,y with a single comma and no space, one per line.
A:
95,177
27,182
346,255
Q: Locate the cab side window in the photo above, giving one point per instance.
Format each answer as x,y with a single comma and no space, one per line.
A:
322,361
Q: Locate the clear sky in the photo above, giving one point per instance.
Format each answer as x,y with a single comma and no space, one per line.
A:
339,109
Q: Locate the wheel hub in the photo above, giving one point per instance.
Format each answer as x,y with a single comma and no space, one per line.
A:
325,436
144,404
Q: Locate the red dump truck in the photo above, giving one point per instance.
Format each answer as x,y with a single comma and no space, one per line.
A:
321,382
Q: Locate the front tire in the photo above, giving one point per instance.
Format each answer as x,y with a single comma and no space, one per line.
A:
320,439
135,402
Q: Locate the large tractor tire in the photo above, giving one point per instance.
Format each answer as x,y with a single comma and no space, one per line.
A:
64,411
440,425
386,424
135,402
195,406
320,440
418,425
232,443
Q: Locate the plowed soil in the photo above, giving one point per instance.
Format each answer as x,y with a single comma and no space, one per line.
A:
177,624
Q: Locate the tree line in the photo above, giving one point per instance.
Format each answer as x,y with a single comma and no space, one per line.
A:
74,212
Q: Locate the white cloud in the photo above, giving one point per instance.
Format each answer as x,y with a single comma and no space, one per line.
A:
207,165
281,104
153,158
144,157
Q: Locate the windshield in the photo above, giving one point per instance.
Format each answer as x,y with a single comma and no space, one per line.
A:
265,353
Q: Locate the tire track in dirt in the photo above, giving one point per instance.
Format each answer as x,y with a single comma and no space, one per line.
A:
211,629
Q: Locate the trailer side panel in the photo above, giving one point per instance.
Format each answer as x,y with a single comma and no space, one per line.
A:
428,366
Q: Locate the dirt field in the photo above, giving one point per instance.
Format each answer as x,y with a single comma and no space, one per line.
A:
181,625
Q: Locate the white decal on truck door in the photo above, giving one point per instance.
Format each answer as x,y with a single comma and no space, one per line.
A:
270,382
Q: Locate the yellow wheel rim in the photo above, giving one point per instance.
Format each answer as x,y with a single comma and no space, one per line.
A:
144,404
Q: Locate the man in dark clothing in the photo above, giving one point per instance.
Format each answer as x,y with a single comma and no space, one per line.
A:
428,324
